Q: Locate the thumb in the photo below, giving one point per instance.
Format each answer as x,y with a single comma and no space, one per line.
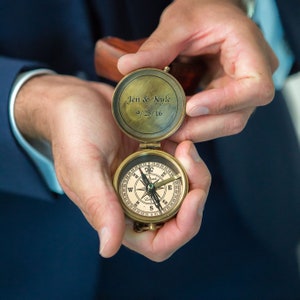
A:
108,219
158,51
93,193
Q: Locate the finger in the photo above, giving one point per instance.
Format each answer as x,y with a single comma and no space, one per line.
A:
88,184
162,46
105,214
231,97
208,127
159,245
155,52
243,76
197,171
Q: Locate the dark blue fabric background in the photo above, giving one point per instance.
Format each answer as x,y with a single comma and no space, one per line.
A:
251,225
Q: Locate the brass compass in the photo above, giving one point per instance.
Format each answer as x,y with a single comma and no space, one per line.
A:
149,105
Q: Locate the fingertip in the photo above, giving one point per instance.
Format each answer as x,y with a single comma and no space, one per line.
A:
104,237
197,171
149,58
193,153
126,63
133,61
111,231
109,244
197,110
187,153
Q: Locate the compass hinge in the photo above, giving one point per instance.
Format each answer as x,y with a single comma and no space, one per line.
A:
154,145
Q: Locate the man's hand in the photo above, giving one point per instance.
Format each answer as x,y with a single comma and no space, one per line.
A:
239,63
75,117
161,244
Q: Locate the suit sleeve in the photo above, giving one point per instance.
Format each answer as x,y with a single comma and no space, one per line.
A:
18,176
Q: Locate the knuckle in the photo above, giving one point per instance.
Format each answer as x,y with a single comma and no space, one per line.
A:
152,43
224,108
263,90
235,124
91,208
267,93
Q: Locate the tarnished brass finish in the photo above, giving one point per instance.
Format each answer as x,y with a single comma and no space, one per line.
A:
149,104
165,176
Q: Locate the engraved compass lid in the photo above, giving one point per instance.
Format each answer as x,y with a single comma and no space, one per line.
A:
149,104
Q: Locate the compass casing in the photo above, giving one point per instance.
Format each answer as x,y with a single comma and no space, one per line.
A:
149,106
157,165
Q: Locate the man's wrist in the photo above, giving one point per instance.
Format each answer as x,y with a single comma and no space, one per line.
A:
38,151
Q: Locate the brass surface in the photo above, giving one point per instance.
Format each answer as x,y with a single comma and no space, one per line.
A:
149,104
165,175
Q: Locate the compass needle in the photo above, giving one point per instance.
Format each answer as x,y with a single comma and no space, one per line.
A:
166,181
157,201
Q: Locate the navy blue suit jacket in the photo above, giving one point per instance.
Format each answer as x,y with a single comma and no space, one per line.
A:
251,225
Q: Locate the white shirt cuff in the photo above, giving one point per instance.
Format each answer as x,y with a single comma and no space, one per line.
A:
38,151
267,17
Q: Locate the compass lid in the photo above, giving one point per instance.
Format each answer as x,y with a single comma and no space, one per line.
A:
149,104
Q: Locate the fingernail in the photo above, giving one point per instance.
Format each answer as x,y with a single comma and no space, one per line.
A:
104,237
197,111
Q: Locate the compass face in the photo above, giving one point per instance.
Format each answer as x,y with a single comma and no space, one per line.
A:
151,185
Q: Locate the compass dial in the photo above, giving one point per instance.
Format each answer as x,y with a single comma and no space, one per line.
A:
151,185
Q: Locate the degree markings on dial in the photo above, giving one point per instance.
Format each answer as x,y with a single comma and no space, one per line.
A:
146,192
159,184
